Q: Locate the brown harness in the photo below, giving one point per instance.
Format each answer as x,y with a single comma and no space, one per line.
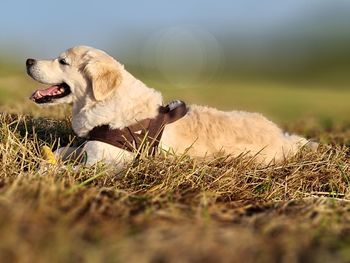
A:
144,134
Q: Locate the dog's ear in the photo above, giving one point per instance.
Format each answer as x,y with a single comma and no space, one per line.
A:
104,77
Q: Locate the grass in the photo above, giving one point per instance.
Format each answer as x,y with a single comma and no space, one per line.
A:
170,208
174,208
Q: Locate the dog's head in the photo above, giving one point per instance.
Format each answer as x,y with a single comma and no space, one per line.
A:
77,73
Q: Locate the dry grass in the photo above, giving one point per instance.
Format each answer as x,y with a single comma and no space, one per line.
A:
172,209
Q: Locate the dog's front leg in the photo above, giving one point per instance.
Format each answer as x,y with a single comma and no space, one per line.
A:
93,152
97,151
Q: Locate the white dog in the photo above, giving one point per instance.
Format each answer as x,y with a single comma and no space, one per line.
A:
104,94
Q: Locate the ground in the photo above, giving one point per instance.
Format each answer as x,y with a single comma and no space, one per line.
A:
171,208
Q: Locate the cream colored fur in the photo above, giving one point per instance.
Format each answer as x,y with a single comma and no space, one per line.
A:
103,92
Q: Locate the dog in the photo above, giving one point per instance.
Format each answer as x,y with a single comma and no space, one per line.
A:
104,94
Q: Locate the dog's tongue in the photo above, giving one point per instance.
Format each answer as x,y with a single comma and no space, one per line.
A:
45,92
49,90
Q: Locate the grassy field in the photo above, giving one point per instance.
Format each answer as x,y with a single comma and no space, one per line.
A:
168,208
174,208
281,101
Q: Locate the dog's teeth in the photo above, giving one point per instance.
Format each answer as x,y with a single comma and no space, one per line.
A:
61,89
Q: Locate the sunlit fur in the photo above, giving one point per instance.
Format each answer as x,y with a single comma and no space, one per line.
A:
103,92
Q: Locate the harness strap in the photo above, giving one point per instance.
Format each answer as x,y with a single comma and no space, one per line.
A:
145,133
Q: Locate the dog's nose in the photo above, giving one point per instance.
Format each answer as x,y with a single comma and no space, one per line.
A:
30,62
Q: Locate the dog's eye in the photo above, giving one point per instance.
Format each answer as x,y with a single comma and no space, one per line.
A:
62,61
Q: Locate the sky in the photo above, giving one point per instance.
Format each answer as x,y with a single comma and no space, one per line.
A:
45,28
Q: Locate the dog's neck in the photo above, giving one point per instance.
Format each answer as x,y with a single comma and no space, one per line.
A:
132,101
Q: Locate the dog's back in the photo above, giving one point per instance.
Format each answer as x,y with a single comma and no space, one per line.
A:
209,131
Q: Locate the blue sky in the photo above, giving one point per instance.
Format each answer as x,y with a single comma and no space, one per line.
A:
48,27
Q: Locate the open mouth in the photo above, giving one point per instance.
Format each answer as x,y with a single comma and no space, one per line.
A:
51,93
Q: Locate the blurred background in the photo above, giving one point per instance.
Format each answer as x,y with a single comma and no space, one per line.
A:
287,59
